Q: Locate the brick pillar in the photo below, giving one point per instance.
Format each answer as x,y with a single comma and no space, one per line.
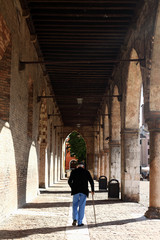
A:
154,200
42,166
54,155
98,166
95,166
130,175
58,159
106,163
102,163
115,160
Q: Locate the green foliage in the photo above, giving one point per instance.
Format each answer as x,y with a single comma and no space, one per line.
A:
77,146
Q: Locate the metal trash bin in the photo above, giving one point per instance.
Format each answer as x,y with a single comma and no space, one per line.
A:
113,188
103,183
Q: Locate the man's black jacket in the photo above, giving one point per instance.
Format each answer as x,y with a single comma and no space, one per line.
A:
78,181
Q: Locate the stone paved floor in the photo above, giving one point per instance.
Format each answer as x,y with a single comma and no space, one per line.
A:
49,217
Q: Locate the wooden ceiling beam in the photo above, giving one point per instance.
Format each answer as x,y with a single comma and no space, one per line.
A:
84,25
105,14
40,20
82,1
107,38
108,34
75,7
79,43
83,46
78,30
64,41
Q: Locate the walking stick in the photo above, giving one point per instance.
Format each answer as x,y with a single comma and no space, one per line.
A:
94,209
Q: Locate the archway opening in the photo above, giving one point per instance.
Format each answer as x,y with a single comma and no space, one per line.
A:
8,173
32,173
131,136
75,151
144,156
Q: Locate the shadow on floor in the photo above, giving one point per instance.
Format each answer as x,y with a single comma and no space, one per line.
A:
67,204
47,205
54,192
14,234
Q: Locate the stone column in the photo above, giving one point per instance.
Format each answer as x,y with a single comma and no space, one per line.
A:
101,163
98,166
50,170
154,198
130,174
62,159
58,158
42,166
106,163
115,160
54,155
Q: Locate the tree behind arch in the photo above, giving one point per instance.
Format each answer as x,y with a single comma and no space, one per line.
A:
77,146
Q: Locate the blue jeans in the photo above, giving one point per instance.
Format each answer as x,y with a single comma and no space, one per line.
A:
79,202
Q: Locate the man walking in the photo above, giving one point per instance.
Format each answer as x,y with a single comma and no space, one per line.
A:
78,181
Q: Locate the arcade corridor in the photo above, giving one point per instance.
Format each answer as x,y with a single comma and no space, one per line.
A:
86,66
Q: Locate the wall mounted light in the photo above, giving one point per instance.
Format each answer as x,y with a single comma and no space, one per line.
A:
79,100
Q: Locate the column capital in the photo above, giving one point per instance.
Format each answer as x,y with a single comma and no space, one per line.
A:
43,144
130,131
114,143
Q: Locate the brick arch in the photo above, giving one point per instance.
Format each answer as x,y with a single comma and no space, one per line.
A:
115,117
5,70
133,93
68,132
79,134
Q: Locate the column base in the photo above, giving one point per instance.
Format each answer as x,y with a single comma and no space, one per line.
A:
153,213
42,185
133,198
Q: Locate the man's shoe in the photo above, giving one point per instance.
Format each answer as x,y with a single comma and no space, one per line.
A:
74,223
80,225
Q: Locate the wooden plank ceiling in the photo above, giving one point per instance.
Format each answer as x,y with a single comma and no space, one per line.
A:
80,41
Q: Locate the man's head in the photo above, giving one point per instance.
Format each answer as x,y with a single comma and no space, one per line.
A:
80,164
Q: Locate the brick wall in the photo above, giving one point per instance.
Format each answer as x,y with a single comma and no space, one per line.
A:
30,107
5,69
19,111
